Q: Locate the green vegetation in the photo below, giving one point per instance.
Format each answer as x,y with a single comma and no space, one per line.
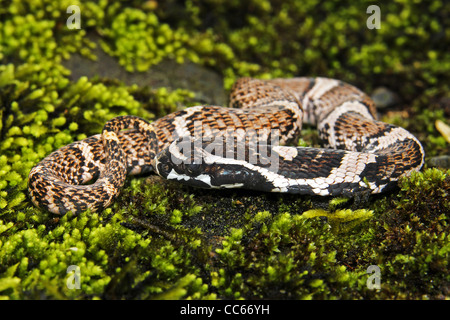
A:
160,240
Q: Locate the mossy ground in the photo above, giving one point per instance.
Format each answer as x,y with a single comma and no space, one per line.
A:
161,240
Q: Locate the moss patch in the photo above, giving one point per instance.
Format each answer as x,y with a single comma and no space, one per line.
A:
161,240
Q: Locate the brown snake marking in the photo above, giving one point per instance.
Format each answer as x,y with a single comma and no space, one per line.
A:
360,153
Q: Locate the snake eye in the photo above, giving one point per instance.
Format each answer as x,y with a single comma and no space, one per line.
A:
164,168
193,169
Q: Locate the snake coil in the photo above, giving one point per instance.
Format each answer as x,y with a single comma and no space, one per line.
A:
239,147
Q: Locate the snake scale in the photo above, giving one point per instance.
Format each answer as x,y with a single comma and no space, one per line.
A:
244,146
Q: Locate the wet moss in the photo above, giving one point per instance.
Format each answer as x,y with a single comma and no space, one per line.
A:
160,240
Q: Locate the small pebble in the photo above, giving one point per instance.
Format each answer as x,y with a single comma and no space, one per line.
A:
440,162
383,97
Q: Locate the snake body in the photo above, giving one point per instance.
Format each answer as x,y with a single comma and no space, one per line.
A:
242,146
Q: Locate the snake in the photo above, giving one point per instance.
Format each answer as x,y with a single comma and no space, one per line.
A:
252,144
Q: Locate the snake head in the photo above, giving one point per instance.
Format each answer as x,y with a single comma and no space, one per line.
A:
182,161
207,165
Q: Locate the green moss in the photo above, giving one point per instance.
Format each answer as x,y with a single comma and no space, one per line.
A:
134,31
159,240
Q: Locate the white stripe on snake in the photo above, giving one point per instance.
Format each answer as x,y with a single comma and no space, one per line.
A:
237,147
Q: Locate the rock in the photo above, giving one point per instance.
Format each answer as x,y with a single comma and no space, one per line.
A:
383,97
440,162
206,84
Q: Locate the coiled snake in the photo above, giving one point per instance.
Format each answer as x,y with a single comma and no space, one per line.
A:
242,146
